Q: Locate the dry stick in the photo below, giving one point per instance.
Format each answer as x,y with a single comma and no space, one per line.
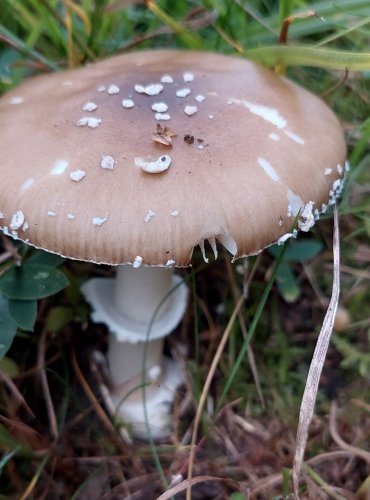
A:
313,377
250,353
13,389
90,395
358,452
205,390
45,386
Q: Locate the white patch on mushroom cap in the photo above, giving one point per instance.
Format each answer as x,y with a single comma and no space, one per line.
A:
153,167
286,237
170,263
162,117
128,103
328,171
51,213
16,100
307,217
296,138
107,162
295,203
174,213
201,246
27,184
25,226
200,98
336,190
113,89
153,89
77,175
154,373
188,77
17,220
269,114
160,107
274,136
71,216
183,92
89,106
228,242
167,79
340,169
137,262
2,215
268,168
149,215
190,110
89,121
101,88
59,167
139,88
98,221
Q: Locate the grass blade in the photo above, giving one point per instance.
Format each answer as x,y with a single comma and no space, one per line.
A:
277,55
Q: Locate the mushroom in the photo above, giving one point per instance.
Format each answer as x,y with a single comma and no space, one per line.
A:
143,157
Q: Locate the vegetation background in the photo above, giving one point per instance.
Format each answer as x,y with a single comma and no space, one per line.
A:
56,440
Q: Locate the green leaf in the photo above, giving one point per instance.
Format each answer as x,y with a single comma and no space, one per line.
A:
8,327
287,284
9,366
59,317
284,55
47,258
32,281
24,313
299,250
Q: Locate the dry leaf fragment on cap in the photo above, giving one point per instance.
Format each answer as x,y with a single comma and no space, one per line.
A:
163,135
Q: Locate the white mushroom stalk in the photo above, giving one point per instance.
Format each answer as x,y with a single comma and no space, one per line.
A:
141,306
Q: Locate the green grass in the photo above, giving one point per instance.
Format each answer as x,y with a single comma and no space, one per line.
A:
39,36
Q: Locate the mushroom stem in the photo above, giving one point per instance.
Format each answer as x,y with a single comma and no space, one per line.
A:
140,296
140,307
139,292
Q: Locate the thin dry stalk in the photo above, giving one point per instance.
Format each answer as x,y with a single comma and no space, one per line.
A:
365,455
91,397
53,425
243,327
205,390
13,389
317,363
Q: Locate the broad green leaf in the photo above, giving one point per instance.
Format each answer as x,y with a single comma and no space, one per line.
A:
47,258
23,312
32,281
299,250
9,366
8,327
287,284
58,317
285,55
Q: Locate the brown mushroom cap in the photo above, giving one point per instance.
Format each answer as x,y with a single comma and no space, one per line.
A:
256,147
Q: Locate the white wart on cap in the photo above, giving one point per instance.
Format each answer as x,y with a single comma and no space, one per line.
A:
270,152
